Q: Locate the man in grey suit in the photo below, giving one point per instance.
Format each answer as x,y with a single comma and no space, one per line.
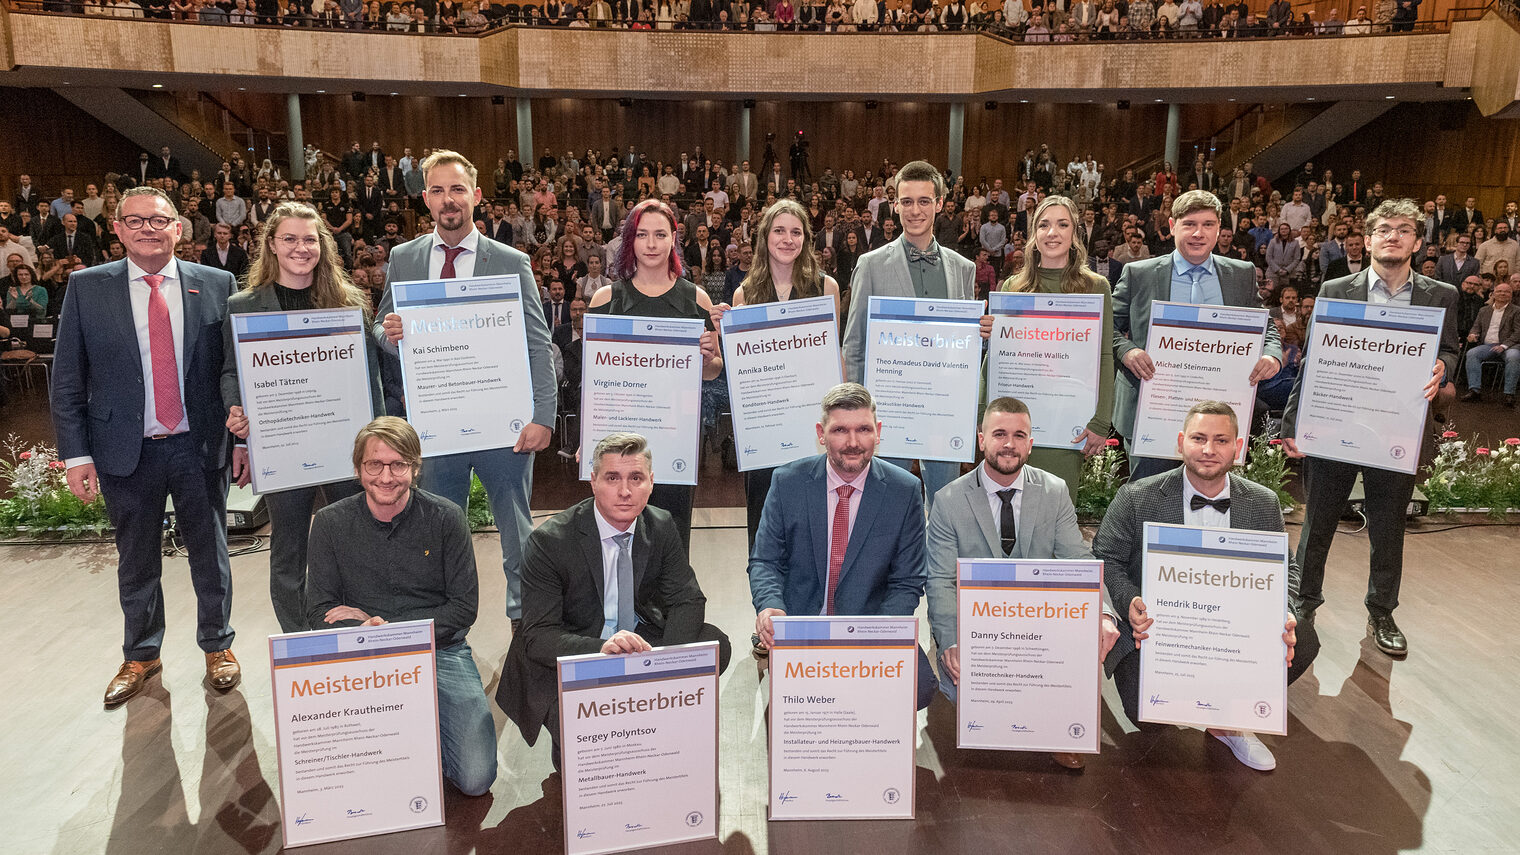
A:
1393,237
1190,274
1002,509
1203,493
1455,266
914,265
456,249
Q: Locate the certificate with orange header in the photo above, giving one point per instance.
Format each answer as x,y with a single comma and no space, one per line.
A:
843,715
356,729
1046,350
1028,637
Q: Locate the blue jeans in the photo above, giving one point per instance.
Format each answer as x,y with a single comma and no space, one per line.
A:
936,474
1478,354
467,733
508,479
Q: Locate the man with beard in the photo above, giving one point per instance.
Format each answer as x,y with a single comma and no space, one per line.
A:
837,510
1500,246
455,248
1001,509
1393,230
1202,493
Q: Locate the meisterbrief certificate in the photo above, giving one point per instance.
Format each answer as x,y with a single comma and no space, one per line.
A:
464,362
781,359
923,365
1046,350
843,697
644,375
1028,637
639,735
1365,367
305,385
1202,353
356,730
1215,656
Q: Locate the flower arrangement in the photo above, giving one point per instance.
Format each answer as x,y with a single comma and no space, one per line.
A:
1267,465
1100,481
39,500
1468,475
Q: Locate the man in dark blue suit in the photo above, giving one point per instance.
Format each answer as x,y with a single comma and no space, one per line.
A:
135,404
841,533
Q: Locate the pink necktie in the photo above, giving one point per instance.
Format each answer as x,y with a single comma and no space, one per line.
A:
838,543
168,407
449,254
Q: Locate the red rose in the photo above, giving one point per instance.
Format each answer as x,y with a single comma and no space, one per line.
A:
56,464
1274,442
1114,442
1450,434
26,455
1482,452
1512,441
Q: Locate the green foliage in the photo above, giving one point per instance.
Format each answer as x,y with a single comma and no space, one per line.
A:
1267,465
40,502
479,513
1466,474
1100,481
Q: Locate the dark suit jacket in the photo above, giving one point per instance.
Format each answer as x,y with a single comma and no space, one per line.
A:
98,396
84,245
1427,292
885,565
500,232
564,314
1120,541
1147,280
1339,269
1448,271
1459,220
563,590
570,352
158,169
391,179
237,263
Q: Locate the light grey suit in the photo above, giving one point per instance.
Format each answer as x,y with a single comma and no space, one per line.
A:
961,526
506,474
1143,282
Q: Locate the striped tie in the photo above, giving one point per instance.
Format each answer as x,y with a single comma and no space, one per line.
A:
838,543
167,405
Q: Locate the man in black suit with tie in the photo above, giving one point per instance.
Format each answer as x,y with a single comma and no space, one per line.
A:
137,407
27,194
609,575
1353,261
1393,229
1202,493
1467,216
223,254
556,308
75,241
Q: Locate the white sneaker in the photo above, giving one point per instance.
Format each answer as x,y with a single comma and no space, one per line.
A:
1248,749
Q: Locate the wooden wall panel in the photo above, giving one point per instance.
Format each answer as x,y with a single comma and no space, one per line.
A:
1457,152
475,127
56,143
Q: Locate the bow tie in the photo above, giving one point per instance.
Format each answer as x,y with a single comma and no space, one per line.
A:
929,256
1221,505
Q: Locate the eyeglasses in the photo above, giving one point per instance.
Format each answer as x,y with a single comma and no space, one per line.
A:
134,222
293,241
398,468
1386,232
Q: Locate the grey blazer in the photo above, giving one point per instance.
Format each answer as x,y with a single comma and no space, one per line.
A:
409,263
1427,292
1145,281
883,272
253,300
961,526
1120,541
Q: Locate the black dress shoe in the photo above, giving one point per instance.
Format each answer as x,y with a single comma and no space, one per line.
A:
1471,395
1509,401
1386,635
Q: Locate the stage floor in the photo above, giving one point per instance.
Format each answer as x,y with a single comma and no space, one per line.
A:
1381,756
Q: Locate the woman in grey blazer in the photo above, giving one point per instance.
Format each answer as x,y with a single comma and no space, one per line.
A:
296,267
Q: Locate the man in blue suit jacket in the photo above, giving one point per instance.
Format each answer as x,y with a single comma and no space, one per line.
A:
802,564
138,414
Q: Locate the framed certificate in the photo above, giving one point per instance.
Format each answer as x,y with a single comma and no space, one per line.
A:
1046,350
305,386
923,365
781,359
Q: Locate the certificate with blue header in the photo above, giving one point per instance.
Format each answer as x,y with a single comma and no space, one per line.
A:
1215,656
923,366
464,362
1365,366
781,359
644,375
304,382
1028,638
639,738
1046,350
843,700
356,731
1202,353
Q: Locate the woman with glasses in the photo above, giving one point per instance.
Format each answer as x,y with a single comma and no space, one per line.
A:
296,267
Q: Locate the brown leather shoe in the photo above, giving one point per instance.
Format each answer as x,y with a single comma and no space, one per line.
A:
222,670
1069,761
129,680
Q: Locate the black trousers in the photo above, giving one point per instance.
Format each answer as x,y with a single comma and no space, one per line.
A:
1328,485
676,500
135,504
289,532
757,485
